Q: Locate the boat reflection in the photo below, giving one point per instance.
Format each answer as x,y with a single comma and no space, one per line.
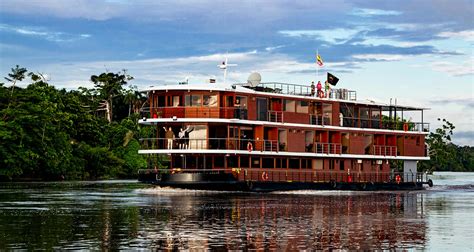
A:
306,220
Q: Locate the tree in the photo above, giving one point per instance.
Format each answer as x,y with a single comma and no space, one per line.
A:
109,86
441,149
17,74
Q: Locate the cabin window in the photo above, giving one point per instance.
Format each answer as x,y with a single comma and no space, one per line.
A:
331,164
318,164
267,163
232,161
198,137
289,106
294,163
193,100
304,164
241,101
218,162
281,163
327,114
308,138
244,162
255,162
229,100
302,107
209,100
161,101
176,102
341,165
282,140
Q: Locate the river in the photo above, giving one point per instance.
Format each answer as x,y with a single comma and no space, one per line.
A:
112,215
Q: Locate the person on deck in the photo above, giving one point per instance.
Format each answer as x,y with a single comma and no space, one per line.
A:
319,87
169,135
186,136
313,88
327,89
181,135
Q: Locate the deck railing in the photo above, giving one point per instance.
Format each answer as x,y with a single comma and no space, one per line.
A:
319,120
375,123
383,150
302,175
210,144
275,116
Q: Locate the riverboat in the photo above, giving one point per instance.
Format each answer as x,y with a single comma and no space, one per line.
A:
259,136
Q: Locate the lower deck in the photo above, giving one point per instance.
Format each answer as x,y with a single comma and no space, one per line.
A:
256,173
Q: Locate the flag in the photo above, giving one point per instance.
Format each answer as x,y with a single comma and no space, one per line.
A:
319,61
332,79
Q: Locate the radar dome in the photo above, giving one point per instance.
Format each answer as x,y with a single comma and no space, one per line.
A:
254,79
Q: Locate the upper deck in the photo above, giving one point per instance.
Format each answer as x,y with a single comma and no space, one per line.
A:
279,103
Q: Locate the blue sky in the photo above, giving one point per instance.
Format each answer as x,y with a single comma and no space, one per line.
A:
420,52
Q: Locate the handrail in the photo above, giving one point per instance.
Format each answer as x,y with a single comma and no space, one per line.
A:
303,175
385,150
210,144
377,123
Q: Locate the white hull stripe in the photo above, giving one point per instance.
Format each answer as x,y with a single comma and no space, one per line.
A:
151,121
280,154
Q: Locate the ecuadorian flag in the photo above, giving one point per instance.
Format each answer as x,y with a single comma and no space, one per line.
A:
319,60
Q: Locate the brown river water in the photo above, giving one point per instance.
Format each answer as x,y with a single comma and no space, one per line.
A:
126,215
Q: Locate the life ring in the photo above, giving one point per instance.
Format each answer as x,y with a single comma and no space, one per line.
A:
430,183
264,176
405,127
250,147
398,179
349,178
333,184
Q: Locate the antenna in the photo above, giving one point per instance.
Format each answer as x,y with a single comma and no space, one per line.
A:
224,66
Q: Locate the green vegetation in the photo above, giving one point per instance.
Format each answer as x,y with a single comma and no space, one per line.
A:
446,156
52,134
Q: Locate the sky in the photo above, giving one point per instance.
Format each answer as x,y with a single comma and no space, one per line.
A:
418,52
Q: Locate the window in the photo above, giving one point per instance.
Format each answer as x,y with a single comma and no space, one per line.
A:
302,107
294,163
289,106
255,162
232,161
241,101
209,100
244,162
219,162
193,100
176,102
267,163
327,114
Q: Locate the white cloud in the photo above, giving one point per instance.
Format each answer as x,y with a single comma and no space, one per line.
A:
454,69
379,57
334,36
43,33
467,35
374,12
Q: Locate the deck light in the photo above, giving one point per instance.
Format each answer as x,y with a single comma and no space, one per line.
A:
175,118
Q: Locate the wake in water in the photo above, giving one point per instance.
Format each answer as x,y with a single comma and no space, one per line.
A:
177,191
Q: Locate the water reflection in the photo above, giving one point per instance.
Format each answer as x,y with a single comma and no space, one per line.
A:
120,216
286,222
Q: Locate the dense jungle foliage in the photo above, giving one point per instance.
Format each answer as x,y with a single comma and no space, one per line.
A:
54,134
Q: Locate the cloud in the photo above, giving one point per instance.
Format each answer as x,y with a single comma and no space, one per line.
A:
379,57
374,12
466,102
454,69
43,33
467,35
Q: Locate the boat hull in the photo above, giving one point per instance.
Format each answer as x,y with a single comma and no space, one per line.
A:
227,182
